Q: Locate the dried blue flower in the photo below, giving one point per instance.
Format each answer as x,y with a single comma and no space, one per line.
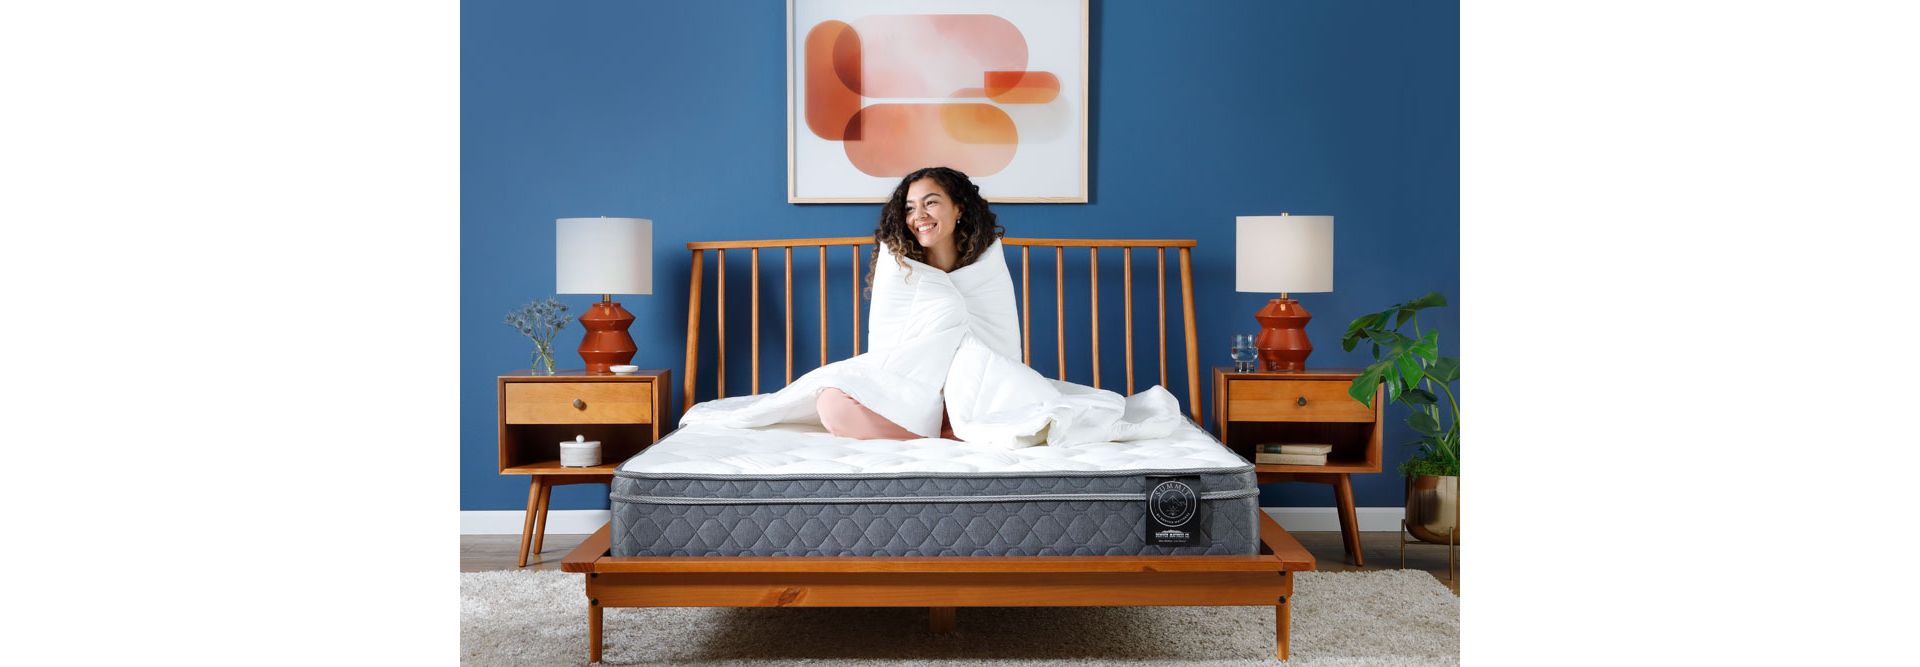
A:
539,320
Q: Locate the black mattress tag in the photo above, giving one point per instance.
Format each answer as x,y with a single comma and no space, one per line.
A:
1174,511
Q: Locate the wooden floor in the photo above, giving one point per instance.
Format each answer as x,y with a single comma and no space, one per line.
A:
500,552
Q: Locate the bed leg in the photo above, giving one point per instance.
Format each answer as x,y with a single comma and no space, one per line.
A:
941,620
593,630
1283,625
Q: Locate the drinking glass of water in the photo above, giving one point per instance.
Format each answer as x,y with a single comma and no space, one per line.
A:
1244,353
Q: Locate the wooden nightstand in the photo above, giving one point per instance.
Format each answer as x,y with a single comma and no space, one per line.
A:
624,412
1303,406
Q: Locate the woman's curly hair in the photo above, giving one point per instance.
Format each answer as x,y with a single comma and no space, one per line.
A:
973,232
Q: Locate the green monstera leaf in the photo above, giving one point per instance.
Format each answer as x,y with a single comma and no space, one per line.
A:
1408,367
1418,396
1424,423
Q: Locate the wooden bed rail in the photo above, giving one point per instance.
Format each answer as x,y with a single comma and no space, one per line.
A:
857,246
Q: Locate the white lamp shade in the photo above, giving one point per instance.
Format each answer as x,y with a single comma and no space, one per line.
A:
1283,253
603,256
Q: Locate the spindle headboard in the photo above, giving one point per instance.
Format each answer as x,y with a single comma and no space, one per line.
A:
858,265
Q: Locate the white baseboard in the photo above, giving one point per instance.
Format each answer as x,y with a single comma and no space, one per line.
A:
581,522
510,522
1306,519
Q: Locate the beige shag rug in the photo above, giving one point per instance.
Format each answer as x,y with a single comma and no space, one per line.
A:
1340,619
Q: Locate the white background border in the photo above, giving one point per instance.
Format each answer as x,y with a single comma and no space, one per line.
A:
1687,242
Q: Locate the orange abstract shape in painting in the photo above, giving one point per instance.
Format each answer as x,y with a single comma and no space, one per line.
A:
833,80
932,55
978,124
896,139
1022,87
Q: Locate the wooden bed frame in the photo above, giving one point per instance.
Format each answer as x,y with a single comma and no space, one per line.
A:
941,584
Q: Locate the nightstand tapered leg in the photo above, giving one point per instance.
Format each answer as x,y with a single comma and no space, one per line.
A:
533,507
540,523
1349,525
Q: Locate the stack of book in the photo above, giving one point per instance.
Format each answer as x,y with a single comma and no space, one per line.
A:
1292,454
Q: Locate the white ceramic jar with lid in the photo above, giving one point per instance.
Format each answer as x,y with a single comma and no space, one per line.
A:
580,452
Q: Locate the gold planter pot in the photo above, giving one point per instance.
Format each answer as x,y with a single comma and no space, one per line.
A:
1433,508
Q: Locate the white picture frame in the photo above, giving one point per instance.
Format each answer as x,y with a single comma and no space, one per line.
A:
865,102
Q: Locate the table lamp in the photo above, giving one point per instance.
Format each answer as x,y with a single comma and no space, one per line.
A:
604,256
1283,253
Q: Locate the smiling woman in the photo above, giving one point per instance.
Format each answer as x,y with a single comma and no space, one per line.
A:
936,215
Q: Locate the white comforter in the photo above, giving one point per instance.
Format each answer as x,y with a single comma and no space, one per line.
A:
952,340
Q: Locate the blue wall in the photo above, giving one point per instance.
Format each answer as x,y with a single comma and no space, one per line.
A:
1202,111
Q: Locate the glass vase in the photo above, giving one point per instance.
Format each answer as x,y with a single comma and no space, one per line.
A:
542,358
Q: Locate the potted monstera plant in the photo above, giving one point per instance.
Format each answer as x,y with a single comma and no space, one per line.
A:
1408,362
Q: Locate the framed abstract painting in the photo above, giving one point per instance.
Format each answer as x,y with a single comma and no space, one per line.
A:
994,88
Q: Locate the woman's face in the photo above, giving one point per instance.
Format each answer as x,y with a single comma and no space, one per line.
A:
931,216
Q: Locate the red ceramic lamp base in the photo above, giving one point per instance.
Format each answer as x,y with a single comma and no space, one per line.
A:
1283,340
607,343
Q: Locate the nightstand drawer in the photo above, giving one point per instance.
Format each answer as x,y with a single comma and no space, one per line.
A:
579,403
1294,401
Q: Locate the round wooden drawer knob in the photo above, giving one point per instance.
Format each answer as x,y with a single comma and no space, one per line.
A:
582,405
1302,401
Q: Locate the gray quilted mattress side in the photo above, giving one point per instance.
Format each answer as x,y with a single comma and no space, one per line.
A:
939,524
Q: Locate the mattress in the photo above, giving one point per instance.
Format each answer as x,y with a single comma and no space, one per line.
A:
795,490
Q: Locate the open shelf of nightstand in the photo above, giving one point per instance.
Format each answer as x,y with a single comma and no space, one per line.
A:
1352,443
1330,467
553,467
538,445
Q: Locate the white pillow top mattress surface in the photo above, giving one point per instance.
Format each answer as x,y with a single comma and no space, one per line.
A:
808,450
